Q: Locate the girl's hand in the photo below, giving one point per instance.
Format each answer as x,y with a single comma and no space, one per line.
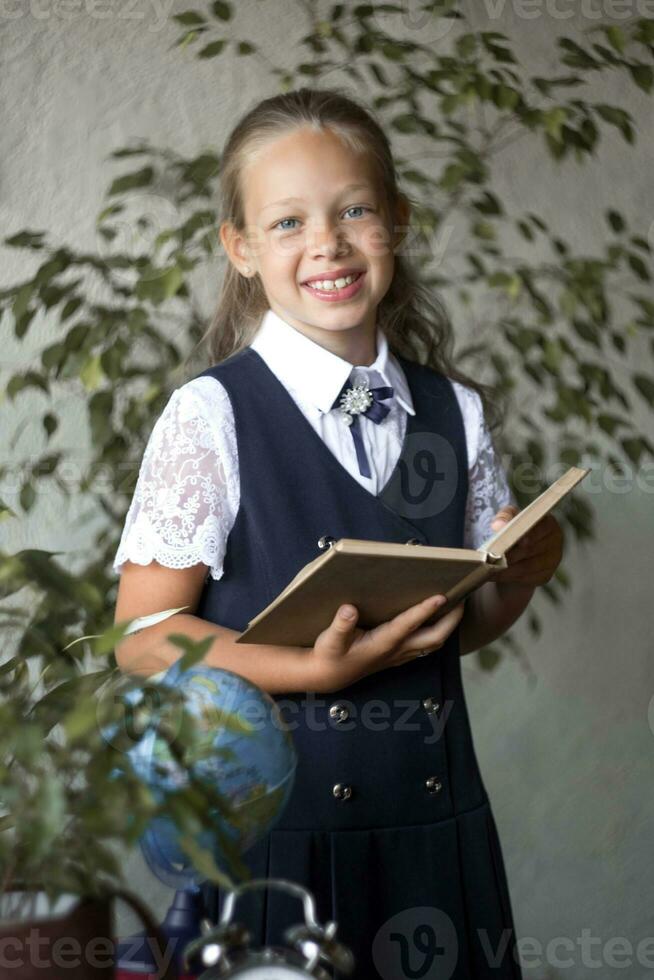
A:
343,654
534,559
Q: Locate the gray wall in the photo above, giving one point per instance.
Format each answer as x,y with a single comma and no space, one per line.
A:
563,736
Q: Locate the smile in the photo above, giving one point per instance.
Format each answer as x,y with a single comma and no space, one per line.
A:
332,294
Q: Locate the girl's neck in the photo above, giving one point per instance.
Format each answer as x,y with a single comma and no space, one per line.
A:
356,345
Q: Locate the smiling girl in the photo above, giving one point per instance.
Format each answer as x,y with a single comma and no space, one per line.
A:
255,464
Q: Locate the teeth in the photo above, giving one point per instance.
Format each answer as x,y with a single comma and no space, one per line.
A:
328,284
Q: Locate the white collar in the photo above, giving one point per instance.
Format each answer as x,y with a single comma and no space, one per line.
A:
314,372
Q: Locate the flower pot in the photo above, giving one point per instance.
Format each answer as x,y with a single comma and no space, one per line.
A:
78,945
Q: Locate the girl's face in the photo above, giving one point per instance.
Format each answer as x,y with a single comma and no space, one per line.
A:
313,209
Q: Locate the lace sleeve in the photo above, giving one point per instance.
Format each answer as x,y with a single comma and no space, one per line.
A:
187,491
488,489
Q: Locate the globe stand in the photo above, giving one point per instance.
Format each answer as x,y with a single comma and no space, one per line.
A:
134,955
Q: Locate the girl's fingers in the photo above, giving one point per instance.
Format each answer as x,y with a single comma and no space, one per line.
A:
505,515
528,571
336,640
434,636
390,634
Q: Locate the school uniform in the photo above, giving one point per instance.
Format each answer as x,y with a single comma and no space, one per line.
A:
389,823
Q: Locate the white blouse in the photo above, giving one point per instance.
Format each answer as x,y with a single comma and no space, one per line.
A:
188,489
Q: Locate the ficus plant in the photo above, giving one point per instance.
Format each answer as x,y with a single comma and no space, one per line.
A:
71,799
561,334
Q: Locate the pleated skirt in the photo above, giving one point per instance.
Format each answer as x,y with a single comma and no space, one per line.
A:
425,900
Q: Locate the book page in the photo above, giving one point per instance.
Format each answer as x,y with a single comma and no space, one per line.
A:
524,520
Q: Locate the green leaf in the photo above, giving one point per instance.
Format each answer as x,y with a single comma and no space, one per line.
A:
617,117
587,331
534,623
71,307
50,805
204,861
466,45
609,423
618,342
484,230
392,51
552,355
645,386
28,380
488,658
22,299
638,266
129,182
221,10
576,57
158,284
190,18
91,374
640,243
26,239
211,50
244,47
6,511
525,230
616,37
616,220
634,448
27,496
489,203
643,76
505,97
646,304
194,650
81,720
554,119
378,73
405,124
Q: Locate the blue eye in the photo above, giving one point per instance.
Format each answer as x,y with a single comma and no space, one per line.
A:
282,220
355,207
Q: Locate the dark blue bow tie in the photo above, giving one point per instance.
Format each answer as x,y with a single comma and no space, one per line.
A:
354,400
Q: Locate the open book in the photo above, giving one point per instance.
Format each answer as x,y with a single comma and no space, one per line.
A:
383,579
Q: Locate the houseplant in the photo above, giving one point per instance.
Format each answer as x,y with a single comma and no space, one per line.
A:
70,799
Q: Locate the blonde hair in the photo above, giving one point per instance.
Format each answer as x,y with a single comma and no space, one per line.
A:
412,317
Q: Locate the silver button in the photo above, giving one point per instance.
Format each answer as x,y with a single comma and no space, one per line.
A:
326,541
339,713
430,705
433,784
342,792
413,541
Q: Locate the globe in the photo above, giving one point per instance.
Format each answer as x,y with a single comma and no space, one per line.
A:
247,756
251,762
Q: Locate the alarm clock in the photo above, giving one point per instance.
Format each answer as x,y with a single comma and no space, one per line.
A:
225,948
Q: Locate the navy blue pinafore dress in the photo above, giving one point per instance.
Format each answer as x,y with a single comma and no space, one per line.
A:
389,823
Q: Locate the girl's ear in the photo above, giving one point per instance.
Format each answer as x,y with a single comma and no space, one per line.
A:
235,248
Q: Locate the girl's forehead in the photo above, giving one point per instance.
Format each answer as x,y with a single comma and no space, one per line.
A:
305,165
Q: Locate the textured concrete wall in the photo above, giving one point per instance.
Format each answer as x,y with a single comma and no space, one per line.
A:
563,739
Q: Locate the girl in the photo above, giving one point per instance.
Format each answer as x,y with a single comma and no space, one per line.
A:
249,471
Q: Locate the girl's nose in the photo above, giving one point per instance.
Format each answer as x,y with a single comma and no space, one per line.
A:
326,241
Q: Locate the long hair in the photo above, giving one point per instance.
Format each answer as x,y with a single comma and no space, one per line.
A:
413,319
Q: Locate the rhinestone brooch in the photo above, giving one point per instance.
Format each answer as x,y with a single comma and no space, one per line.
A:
355,401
